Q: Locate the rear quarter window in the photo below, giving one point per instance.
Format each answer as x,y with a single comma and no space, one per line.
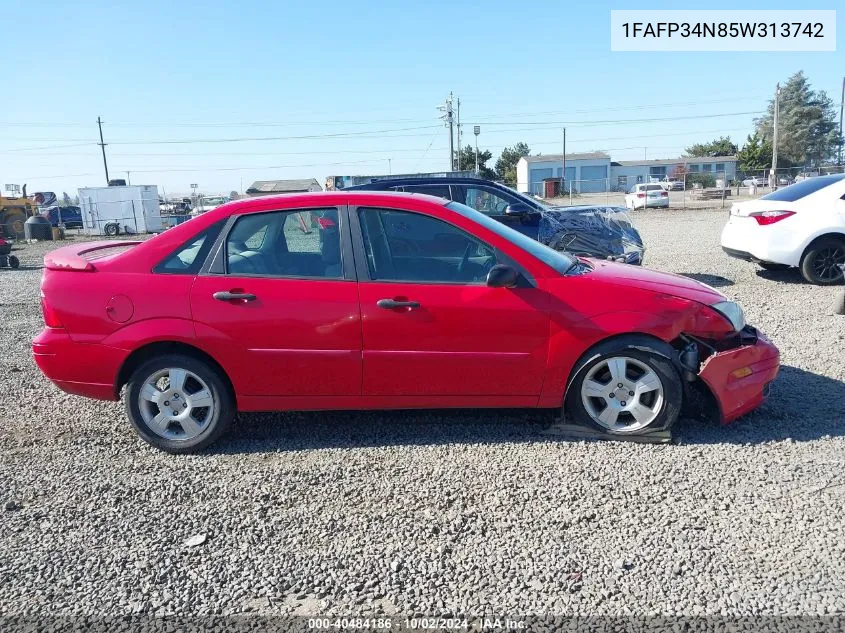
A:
189,257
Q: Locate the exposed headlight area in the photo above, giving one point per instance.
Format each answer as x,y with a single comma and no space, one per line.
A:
732,312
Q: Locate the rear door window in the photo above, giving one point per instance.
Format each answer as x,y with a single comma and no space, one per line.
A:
302,243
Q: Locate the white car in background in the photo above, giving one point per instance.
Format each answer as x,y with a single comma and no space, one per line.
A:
756,181
647,196
801,225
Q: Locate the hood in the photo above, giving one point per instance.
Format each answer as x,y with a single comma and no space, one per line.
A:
644,278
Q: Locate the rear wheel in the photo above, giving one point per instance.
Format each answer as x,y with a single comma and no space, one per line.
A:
13,224
178,404
823,260
111,229
626,391
14,262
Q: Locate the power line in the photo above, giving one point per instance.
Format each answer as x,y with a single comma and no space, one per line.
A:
617,121
387,133
622,108
365,134
191,169
154,124
33,149
394,151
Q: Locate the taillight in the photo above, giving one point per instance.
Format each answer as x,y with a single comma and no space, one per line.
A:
326,223
641,195
664,194
770,217
51,317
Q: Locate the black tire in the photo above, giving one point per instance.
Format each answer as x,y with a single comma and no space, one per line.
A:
13,224
111,229
773,266
821,262
641,352
14,262
217,426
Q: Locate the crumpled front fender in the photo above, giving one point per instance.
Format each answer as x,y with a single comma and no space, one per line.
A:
739,378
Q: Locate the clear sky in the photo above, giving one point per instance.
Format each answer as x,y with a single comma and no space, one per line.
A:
362,79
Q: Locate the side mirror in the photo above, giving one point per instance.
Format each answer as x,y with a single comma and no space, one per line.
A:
501,276
517,209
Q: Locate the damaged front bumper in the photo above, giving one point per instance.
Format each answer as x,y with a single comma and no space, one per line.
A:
739,377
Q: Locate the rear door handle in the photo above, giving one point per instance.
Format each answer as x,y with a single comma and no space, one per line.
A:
225,295
390,304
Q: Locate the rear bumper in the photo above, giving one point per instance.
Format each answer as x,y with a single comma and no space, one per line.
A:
740,378
744,239
732,252
663,203
83,369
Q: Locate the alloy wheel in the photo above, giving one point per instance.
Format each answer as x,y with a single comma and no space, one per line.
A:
828,261
622,394
176,404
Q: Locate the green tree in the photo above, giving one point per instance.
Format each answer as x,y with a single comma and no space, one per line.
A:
506,165
755,155
722,146
807,125
468,161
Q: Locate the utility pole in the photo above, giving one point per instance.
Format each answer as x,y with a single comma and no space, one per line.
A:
562,173
389,168
128,182
103,147
476,130
841,107
459,134
773,174
446,108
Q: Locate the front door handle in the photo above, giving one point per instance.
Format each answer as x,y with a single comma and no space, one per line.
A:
225,295
390,304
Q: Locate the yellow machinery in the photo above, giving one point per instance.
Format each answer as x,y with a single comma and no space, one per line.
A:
13,213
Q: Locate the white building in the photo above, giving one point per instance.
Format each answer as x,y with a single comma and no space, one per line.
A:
590,170
624,174
595,172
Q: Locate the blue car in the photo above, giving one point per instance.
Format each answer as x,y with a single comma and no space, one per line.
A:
601,231
71,217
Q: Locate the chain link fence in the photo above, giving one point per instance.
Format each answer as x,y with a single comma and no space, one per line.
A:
691,190
684,190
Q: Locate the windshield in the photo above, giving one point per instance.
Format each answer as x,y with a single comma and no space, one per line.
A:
561,262
803,188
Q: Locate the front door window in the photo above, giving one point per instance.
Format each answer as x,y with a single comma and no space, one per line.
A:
406,246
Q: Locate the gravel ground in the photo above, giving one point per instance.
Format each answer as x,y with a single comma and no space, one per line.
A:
435,512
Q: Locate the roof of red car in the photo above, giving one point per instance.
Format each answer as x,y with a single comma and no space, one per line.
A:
321,197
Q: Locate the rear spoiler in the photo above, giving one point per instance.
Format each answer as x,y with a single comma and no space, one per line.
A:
72,257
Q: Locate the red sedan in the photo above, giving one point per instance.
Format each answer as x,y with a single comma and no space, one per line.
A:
383,301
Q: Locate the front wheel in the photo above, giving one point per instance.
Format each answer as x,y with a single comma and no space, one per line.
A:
178,403
14,262
626,391
822,262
